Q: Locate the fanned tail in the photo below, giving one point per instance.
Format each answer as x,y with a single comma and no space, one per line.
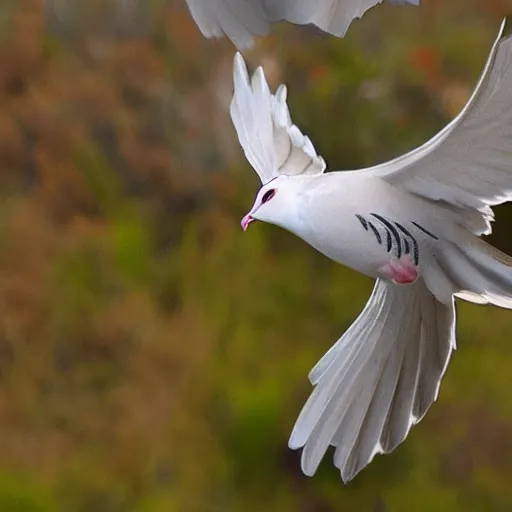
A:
378,380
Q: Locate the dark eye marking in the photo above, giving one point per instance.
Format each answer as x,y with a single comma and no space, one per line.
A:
268,195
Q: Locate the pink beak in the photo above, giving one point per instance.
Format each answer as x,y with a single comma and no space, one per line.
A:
246,221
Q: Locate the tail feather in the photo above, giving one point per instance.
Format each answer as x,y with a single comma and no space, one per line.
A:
367,442
437,342
378,380
384,373
400,417
339,379
354,331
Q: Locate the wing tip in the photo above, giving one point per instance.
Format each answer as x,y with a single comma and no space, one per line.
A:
282,93
506,27
240,72
239,64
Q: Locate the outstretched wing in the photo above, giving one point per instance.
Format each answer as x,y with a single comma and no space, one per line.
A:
271,142
378,380
468,165
240,20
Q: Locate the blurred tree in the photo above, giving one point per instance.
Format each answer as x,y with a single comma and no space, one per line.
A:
151,357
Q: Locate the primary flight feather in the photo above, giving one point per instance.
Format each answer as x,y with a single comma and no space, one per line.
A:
241,20
413,224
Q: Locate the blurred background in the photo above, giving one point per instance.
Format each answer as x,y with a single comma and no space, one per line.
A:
153,357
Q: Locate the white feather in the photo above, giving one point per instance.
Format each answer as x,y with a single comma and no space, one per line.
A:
469,163
240,20
381,379
271,142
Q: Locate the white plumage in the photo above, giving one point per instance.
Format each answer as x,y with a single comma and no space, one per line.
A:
241,20
413,224
468,163
272,143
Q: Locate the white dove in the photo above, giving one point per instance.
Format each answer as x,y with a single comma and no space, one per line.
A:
414,224
240,20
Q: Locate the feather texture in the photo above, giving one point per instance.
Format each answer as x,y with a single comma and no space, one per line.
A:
430,205
240,20
271,142
378,380
468,165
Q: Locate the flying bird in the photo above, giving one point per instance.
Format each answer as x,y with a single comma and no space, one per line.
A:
241,20
414,224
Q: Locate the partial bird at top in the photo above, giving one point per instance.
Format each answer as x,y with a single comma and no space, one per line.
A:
413,224
241,20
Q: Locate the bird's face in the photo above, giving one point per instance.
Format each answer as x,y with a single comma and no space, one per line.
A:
273,204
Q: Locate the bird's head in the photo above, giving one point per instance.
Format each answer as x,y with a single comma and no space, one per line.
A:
275,203
277,150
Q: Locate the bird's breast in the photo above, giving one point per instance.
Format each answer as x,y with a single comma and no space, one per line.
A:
363,226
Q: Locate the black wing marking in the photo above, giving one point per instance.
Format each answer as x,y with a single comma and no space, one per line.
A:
376,233
391,230
368,225
363,222
407,233
399,234
389,241
407,247
421,228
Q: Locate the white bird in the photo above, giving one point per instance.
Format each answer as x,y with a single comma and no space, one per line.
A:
414,224
240,20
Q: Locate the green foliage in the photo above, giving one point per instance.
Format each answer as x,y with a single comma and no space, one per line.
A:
19,494
152,356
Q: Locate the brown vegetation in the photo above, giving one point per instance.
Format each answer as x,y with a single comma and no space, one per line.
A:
151,357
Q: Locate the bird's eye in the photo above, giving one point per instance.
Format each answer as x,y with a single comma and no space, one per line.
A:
268,195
